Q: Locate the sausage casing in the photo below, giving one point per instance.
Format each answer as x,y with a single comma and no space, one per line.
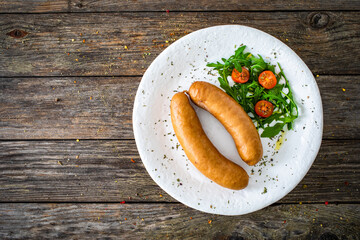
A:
199,149
232,116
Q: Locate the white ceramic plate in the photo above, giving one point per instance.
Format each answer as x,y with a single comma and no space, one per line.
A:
184,62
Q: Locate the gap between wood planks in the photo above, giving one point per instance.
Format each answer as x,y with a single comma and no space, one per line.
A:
172,203
179,11
123,139
125,76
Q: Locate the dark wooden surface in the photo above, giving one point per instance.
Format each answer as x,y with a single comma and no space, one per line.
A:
74,44
101,107
65,74
51,6
102,171
175,221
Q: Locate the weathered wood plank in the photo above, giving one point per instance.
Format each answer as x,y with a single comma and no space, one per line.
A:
121,43
31,6
67,108
98,171
206,5
175,221
101,108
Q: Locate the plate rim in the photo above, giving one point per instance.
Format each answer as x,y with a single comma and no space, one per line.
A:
179,41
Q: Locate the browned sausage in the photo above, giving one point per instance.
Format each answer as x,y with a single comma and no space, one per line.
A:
232,116
199,149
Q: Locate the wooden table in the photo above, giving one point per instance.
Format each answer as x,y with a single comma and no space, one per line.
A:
68,160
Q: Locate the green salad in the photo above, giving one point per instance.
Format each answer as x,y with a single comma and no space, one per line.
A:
264,94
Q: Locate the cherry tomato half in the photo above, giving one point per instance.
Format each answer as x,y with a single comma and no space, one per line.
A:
267,79
240,77
264,108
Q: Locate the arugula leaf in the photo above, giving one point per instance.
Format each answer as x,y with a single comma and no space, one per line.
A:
238,66
270,119
239,51
273,131
215,65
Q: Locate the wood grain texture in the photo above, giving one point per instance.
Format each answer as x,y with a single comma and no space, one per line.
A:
206,5
36,6
175,221
67,108
33,6
102,171
56,65
101,107
101,44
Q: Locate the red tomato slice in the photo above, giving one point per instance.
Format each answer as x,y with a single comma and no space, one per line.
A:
267,79
242,77
264,108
